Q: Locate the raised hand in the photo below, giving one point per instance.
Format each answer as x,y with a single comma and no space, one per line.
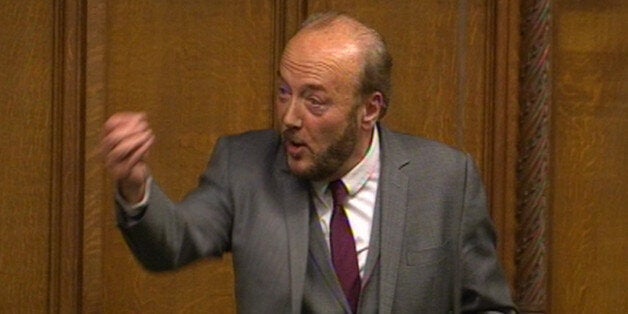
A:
127,139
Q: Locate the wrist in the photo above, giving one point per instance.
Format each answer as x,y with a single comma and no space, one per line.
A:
132,193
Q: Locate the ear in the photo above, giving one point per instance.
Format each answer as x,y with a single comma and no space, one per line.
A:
373,109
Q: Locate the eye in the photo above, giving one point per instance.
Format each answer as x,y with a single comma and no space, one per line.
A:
283,94
283,90
314,102
316,106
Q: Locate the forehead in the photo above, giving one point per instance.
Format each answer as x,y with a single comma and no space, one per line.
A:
320,55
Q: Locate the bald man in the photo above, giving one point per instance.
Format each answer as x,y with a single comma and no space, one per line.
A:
331,212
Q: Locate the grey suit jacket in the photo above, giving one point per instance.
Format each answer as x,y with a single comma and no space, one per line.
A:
437,250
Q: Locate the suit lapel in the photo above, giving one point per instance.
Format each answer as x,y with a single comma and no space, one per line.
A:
393,187
295,197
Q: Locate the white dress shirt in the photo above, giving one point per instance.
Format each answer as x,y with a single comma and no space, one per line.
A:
361,183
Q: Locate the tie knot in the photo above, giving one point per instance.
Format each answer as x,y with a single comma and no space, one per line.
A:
338,192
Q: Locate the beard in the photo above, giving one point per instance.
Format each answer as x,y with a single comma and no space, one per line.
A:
327,163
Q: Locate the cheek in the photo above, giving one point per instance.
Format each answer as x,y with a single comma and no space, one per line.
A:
279,109
278,112
323,134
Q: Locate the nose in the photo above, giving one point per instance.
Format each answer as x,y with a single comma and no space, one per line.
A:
292,115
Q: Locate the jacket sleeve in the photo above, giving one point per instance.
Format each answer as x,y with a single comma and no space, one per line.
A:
167,236
483,285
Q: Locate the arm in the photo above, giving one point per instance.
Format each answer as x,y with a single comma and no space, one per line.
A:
168,235
483,286
163,235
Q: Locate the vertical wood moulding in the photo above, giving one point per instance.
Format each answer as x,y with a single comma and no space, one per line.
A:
95,193
67,162
502,124
295,13
533,164
461,69
279,39
491,120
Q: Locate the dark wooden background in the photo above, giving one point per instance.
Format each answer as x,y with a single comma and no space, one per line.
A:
202,69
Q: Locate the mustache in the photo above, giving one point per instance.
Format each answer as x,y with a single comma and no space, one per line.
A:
289,136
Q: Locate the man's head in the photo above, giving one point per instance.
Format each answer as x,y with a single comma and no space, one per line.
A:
334,82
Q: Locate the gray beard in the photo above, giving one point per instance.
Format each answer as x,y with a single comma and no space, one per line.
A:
329,161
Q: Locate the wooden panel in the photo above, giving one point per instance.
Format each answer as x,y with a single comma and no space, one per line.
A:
590,127
67,161
501,145
97,200
26,29
200,70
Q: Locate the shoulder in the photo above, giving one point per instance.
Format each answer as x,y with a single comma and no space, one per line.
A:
251,141
424,161
414,142
248,149
417,148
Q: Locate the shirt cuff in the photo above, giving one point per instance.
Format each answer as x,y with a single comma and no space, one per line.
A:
133,210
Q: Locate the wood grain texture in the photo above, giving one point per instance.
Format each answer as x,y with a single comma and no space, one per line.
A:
200,70
68,152
97,197
589,159
26,64
501,146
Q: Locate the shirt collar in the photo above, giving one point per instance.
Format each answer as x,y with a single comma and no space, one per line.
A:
357,177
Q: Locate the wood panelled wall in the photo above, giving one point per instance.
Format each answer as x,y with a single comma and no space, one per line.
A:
203,69
200,71
589,234
27,172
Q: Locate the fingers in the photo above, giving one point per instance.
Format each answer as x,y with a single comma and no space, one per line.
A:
121,126
127,138
128,153
126,144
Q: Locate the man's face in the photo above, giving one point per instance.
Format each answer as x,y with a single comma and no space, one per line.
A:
317,108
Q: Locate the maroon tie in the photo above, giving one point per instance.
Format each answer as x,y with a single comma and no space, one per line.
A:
343,253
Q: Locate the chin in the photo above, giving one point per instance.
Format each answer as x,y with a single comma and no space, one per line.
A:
302,170
309,173
298,170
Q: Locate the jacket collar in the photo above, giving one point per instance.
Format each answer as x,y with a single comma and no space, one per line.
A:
393,187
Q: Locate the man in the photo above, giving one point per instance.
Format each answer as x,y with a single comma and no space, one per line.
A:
330,213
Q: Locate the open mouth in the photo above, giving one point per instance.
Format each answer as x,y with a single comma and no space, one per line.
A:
295,148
